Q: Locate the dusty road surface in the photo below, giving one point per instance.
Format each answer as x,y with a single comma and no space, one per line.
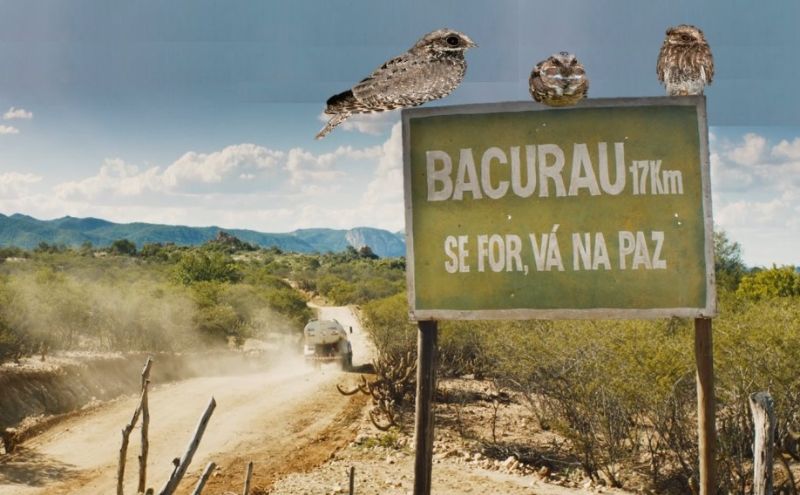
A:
288,419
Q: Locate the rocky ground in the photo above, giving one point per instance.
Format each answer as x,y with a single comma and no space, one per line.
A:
468,459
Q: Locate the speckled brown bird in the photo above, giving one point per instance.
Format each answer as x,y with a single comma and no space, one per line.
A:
429,70
559,81
685,64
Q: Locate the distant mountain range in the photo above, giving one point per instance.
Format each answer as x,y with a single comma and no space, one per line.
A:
27,232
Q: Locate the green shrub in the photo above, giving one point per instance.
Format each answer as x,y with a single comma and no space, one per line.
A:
123,247
387,324
198,266
771,283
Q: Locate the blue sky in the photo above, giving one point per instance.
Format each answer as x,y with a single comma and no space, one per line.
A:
203,112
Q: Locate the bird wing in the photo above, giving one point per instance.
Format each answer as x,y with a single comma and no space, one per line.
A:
407,80
707,63
661,66
535,83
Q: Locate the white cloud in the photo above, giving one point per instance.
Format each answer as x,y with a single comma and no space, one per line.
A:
384,195
304,167
750,151
727,177
7,129
16,184
230,169
244,185
374,124
214,168
757,196
786,149
17,113
743,213
114,178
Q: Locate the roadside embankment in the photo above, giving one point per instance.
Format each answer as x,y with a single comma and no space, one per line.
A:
66,383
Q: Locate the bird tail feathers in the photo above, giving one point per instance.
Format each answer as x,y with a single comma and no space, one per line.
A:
333,122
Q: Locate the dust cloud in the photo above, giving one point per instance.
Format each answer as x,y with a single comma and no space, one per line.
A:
133,310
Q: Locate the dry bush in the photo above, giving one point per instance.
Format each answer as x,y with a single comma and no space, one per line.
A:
391,389
623,393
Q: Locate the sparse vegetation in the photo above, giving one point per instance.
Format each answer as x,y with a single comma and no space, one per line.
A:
621,394
162,297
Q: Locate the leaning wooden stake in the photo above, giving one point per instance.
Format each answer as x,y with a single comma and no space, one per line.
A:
123,450
352,477
182,464
201,483
247,477
145,427
763,411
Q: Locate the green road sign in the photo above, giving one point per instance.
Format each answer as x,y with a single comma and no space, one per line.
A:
516,210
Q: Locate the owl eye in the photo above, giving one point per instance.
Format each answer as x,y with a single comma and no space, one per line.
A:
686,37
574,61
452,40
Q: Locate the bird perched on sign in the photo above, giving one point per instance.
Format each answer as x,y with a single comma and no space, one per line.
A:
429,70
559,81
685,64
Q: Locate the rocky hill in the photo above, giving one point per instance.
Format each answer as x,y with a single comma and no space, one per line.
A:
27,232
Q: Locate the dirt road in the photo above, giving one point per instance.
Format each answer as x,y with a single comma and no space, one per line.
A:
289,418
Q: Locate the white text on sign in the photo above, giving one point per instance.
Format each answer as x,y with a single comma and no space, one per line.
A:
542,252
545,169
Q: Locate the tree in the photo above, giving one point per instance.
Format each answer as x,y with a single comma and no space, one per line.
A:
12,252
44,247
728,264
154,250
366,252
198,266
123,247
86,249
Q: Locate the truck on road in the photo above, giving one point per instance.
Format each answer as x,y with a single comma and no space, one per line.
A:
326,341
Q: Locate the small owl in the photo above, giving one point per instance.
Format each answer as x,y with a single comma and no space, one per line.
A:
559,81
685,64
429,70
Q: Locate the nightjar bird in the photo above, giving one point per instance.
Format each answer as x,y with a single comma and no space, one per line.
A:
559,81
685,65
429,70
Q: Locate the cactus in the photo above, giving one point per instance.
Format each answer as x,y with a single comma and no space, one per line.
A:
392,387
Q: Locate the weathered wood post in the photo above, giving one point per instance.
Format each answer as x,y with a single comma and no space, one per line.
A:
123,450
706,406
145,447
201,483
352,474
247,478
182,464
761,405
426,387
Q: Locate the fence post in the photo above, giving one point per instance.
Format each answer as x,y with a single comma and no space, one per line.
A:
761,405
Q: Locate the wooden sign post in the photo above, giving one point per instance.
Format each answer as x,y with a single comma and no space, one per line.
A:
706,406
426,389
597,211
